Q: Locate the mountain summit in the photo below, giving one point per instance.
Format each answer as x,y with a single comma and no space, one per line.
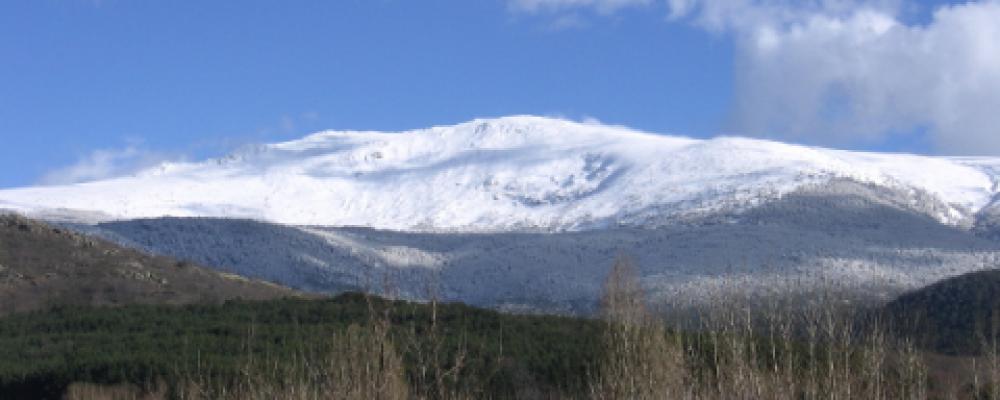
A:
511,173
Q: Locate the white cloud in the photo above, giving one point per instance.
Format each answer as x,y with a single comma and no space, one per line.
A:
747,16
103,164
857,78
601,6
567,21
849,72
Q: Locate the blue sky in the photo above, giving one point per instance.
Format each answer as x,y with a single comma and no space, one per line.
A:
139,81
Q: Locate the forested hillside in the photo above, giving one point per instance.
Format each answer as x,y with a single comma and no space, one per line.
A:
447,348
959,315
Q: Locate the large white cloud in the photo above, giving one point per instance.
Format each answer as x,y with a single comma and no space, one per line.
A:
846,72
860,77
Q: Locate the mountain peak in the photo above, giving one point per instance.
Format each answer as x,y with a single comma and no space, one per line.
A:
504,173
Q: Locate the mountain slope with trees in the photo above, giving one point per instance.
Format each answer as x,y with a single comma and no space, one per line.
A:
959,315
43,266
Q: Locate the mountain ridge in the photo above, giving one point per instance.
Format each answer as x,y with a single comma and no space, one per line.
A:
507,174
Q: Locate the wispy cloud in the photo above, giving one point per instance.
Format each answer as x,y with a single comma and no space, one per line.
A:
290,123
601,6
848,72
568,21
134,156
107,163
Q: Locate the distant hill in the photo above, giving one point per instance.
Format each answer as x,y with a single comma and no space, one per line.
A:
43,266
958,315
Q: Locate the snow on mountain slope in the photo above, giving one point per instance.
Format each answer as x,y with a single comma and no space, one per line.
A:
844,234
499,174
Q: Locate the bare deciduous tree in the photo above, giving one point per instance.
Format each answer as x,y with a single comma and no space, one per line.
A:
641,361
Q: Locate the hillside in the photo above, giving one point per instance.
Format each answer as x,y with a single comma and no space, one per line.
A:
959,315
508,355
508,174
306,349
43,266
844,236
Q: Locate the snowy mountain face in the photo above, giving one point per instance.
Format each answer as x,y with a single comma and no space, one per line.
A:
509,174
846,237
528,213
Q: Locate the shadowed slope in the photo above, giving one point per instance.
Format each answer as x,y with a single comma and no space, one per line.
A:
959,315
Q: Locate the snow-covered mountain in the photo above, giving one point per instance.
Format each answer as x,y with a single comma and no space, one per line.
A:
527,213
514,173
